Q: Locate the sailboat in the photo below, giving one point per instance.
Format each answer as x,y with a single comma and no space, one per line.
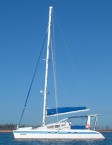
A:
61,129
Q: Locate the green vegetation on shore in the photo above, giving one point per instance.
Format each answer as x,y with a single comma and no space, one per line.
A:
10,126
6,127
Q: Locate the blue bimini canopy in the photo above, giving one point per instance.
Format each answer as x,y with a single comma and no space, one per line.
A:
65,110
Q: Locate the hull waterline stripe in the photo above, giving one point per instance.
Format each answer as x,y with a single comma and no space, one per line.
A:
52,132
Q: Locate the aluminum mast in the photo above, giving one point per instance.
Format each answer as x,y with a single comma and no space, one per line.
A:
47,64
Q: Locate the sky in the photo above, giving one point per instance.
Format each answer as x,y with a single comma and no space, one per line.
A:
83,57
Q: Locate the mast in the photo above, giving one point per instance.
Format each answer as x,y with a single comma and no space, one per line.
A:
47,65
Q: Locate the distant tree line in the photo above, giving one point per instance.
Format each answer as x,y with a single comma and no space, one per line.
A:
7,126
12,126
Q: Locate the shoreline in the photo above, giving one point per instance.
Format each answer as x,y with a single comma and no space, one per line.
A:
104,130
5,131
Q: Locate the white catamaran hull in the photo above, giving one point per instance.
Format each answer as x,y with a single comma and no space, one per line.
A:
57,134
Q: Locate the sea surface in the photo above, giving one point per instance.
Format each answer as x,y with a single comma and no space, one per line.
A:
7,139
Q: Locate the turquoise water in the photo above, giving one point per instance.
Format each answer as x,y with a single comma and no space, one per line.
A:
7,139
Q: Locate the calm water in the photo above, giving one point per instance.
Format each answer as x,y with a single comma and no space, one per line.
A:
7,139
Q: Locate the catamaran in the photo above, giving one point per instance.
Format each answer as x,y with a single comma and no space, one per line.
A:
61,129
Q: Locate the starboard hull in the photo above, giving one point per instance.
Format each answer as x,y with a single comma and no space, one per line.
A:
58,135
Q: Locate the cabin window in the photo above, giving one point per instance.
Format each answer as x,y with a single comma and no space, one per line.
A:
50,127
57,126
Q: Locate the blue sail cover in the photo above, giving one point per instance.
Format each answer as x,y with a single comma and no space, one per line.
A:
65,110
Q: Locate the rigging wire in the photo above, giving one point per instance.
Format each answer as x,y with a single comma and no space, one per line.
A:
35,70
54,67
55,82
74,68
